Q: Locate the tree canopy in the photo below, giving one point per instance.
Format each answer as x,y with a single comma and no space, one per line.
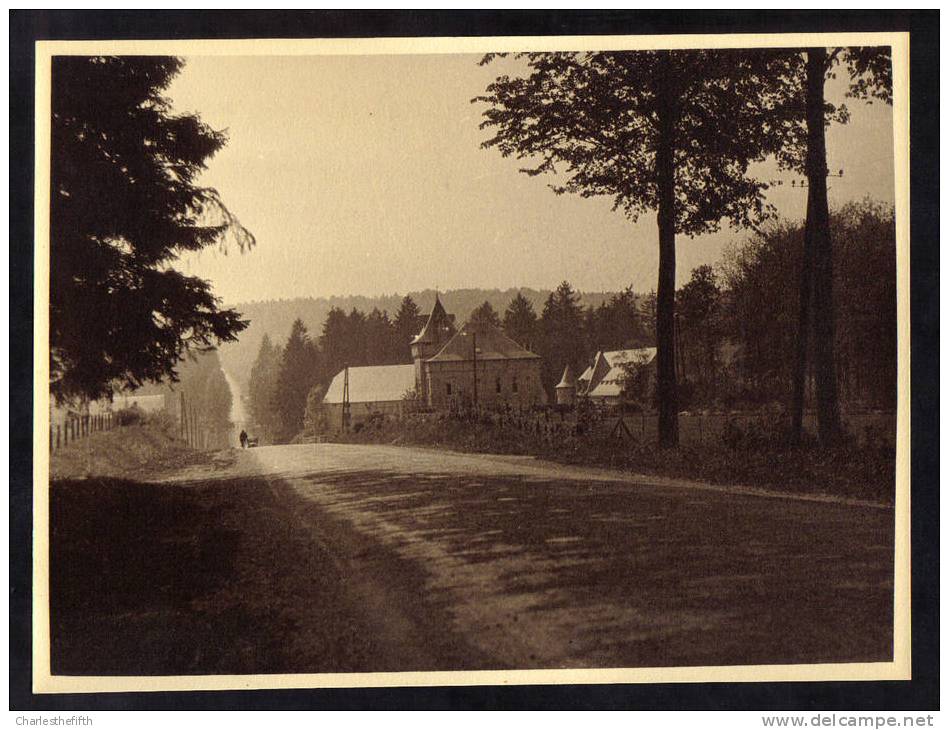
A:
125,203
485,316
299,371
520,321
668,131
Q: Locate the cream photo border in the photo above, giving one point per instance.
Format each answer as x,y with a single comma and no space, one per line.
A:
45,682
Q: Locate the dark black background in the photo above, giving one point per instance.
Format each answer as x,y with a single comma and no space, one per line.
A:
919,694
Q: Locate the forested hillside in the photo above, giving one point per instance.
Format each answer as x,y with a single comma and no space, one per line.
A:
274,318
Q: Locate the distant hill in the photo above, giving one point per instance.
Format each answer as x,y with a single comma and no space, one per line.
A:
275,317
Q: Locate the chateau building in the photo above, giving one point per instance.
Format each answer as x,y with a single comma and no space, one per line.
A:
476,365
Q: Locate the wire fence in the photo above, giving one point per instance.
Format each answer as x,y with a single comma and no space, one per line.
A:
74,428
553,424
184,416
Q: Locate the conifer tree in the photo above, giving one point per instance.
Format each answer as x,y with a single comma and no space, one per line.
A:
561,325
485,315
406,327
261,387
520,322
299,372
124,205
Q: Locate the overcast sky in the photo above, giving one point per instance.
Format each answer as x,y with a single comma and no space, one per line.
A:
364,175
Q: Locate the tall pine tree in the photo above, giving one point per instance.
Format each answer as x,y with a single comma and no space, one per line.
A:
260,391
561,325
485,315
299,372
406,325
124,204
520,322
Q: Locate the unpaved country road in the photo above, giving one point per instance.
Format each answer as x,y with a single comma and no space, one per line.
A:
474,561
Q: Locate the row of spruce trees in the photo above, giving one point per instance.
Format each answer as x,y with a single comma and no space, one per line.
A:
284,376
736,329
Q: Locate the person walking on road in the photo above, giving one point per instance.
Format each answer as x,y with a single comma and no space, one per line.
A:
243,438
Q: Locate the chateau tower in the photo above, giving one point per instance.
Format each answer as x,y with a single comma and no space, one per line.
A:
566,389
436,332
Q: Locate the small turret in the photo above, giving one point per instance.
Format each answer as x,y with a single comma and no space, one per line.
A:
566,389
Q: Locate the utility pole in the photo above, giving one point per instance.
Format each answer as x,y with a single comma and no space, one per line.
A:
181,415
474,356
345,415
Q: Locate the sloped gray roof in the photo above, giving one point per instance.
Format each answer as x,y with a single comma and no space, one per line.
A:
611,383
372,384
492,344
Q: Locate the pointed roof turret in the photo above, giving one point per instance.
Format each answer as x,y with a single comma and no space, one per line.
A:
438,328
567,381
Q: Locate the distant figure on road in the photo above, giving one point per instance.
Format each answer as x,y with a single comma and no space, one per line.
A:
243,438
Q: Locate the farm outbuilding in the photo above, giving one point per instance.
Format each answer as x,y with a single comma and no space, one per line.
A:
374,390
605,379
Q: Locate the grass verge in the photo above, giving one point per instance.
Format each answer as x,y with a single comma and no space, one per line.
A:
858,472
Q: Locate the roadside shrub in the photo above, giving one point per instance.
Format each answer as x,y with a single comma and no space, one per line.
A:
131,416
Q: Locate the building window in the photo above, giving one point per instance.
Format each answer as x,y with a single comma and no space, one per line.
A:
514,384
497,385
448,388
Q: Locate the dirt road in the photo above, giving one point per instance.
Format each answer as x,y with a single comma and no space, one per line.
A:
418,559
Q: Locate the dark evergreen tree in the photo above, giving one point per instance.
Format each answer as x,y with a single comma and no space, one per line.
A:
485,316
299,371
406,325
520,322
333,342
380,339
124,205
762,276
562,340
357,344
261,388
617,324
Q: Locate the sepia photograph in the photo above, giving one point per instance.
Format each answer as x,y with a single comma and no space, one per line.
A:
395,362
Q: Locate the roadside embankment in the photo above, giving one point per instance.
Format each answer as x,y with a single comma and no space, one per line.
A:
126,451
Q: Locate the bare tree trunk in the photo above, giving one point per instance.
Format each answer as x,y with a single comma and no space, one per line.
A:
665,293
828,409
799,376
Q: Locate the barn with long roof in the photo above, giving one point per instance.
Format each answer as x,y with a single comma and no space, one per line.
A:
373,390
